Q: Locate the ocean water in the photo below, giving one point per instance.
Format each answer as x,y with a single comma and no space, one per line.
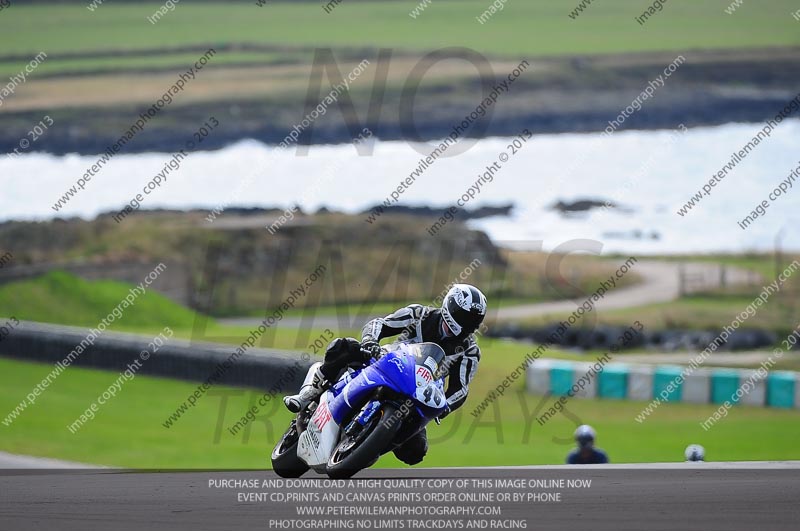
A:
649,173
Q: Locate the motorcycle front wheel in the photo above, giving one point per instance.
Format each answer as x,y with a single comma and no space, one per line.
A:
361,450
285,462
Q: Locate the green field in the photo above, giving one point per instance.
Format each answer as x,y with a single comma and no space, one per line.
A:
522,29
128,430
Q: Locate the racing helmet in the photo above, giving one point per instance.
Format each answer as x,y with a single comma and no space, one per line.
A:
584,436
695,452
463,309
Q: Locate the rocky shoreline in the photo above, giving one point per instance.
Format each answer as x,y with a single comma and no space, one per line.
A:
167,139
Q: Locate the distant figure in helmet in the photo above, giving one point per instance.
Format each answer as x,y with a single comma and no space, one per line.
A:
586,453
452,327
695,452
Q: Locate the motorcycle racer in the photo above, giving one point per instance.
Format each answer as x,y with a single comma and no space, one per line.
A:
452,327
586,453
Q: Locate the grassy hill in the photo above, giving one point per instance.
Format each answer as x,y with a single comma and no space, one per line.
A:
59,297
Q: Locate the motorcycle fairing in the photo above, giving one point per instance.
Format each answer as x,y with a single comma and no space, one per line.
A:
397,371
317,442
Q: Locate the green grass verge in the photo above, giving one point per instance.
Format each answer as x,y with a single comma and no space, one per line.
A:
530,28
128,430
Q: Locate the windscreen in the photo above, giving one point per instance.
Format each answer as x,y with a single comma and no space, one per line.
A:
428,355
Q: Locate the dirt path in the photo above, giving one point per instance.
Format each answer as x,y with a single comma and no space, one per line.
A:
660,283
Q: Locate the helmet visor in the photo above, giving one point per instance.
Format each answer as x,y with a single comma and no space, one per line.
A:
467,321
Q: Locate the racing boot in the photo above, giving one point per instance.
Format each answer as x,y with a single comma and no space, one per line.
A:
312,388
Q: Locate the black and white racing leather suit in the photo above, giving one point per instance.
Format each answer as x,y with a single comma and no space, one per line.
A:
416,324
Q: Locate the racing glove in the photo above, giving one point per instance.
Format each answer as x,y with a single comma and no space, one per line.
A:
373,347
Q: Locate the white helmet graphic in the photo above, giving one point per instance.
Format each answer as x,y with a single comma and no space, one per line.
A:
463,309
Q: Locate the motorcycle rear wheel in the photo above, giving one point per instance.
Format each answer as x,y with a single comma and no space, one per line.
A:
285,462
355,453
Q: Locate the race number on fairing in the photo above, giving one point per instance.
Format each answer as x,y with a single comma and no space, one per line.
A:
430,394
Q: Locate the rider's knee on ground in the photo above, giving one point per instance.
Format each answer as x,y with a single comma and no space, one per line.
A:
412,451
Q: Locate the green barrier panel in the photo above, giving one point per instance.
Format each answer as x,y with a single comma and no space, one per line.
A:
561,378
724,383
613,382
662,378
780,389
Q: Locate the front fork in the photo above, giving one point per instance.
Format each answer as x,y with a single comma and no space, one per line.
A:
408,418
363,417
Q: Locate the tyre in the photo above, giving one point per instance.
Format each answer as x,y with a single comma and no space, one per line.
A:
361,450
285,462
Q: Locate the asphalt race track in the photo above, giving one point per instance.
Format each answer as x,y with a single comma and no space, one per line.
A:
706,497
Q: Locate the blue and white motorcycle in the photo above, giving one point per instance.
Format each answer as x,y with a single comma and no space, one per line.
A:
368,412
